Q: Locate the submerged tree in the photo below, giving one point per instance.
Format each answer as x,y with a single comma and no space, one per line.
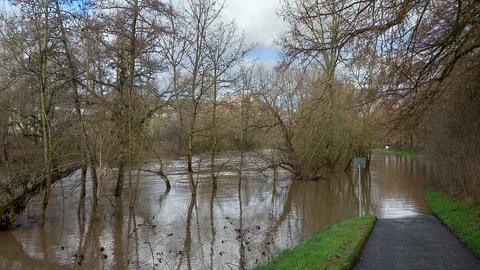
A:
32,49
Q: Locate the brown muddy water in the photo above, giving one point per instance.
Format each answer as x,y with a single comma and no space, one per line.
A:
243,224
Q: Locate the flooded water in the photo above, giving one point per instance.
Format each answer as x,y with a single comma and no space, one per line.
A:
243,223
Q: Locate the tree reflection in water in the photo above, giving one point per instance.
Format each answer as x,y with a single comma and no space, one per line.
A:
243,222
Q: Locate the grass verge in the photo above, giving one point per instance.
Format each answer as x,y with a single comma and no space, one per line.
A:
407,151
336,247
461,217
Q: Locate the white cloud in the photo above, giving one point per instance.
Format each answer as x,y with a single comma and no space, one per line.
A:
258,18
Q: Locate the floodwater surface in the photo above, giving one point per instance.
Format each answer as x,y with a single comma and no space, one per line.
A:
243,223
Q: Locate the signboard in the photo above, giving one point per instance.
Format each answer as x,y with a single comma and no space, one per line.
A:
359,162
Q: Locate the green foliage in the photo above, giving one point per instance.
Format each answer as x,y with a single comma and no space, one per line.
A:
405,151
462,218
336,247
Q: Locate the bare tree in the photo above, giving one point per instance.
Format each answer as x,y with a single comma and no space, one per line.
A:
135,27
190,94
225,51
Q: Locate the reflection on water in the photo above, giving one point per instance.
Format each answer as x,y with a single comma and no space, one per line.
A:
243,223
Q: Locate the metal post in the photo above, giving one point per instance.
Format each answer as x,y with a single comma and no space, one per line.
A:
359,191
359,162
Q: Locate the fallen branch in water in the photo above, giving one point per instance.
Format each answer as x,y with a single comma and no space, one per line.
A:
12,209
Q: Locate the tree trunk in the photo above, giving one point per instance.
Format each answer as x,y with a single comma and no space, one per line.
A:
73,81
191,182
131,75
213,150
83,180
47,143
95,182
120,177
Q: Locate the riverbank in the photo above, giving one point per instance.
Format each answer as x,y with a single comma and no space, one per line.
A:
405,151
461,217
336,247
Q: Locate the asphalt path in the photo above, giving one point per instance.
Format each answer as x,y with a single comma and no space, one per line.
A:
420,242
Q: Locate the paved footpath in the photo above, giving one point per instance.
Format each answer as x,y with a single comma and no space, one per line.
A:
420,242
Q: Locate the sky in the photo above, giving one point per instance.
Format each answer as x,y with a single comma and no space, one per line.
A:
258,19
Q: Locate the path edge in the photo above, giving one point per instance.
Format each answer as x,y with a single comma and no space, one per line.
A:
477,254
451,230
358,250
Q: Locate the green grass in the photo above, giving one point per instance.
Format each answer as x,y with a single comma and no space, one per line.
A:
336,247
461,217
406,151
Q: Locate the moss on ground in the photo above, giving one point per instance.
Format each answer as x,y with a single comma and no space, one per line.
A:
336,247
